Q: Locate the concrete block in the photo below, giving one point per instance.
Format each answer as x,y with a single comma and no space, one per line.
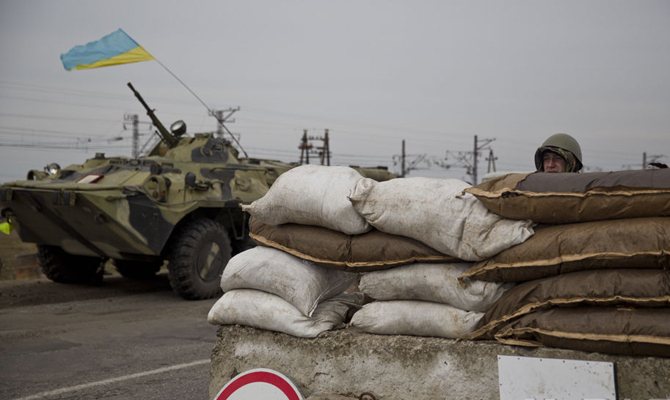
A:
349,363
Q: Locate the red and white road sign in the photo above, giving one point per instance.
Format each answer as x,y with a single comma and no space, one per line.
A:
259,383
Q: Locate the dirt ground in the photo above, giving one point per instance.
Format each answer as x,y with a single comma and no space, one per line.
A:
12,253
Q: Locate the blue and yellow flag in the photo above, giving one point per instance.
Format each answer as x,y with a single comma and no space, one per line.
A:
113,49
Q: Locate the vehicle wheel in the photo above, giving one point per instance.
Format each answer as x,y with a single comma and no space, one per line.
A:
63,267
244,244
137,269
200,253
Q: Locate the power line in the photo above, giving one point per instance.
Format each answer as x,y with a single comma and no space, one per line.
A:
80,93
468,159
24,131
362,132
54,118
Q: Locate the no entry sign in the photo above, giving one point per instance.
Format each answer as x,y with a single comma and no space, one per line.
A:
259,383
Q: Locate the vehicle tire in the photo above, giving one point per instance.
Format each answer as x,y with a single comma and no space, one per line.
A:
63,267
137,269
201,251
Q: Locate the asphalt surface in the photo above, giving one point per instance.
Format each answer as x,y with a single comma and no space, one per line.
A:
123,339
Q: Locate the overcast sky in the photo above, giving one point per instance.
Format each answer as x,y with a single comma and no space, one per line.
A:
434,73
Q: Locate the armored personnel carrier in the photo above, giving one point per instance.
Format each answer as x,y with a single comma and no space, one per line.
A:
180,204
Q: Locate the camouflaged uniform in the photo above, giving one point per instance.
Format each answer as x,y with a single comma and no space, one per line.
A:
566,147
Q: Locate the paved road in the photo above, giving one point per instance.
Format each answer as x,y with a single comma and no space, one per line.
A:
122,340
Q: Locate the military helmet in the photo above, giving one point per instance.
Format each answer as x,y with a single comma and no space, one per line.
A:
557,142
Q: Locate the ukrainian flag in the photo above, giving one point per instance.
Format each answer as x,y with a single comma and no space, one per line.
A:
113,49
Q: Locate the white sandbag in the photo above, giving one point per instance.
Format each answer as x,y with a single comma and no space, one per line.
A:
432,282
299,282
435,212
416,318
263,310
312,195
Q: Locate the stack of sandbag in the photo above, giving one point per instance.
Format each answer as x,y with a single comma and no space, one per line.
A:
437,213
337,219
370,251
594,276
424,300
269,289
307,214
312,195
570,198
434,212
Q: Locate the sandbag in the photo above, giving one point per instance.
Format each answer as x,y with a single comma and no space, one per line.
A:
570,198
625,331
263,310
299,282
432,282
559,249
370,251
434,212
311,195
416,318
602,287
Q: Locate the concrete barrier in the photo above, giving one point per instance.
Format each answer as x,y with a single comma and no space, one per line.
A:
350,363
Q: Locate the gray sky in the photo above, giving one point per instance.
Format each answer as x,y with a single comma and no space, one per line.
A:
435,73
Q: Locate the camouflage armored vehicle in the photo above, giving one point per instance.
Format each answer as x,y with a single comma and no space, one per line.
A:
180,203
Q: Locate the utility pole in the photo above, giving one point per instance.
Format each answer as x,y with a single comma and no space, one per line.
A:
325,150
653,161
475,153
136,132
306,148
135,121
404,167
474,163
221,117
464,158
492,161
647,161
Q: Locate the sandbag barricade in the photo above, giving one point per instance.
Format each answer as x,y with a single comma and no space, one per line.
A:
557,249
266,311
602,287
615,330
569,198
438,214
415,318
312,195
424,300
423,205
299,282
370,251
596,279
270,289
437,283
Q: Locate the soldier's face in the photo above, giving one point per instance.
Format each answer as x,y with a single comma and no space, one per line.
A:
552,162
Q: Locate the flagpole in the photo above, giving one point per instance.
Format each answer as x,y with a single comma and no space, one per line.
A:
107,51
203,103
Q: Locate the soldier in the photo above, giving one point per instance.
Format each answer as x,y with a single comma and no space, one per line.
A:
559,153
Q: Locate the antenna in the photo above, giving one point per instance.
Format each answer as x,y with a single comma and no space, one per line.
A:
209,110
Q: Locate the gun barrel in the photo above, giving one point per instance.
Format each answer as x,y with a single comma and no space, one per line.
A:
167,137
